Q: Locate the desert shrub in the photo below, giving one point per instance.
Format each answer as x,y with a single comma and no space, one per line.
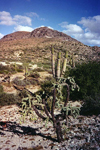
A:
19,68
33,81
9,99
4,69
1,89
38,70
34,75
27,81
10,68
91,105
16,68
23,93
20,82
87,76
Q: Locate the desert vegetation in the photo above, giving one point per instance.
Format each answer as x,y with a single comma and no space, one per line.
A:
87,76
74,71
53,99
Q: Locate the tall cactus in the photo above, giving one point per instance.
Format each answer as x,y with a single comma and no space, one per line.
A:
53,61
73,61
64,64
58,65
56,97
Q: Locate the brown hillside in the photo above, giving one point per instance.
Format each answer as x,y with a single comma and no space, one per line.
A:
35,46
16,35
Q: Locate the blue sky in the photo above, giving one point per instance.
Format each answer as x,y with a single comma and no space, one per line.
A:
78,18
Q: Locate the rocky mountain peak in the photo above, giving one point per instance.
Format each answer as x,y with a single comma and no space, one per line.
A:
42,32
50,33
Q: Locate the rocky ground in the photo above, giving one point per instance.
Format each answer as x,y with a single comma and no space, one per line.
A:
82,133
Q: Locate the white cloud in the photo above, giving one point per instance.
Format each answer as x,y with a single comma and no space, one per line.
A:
72,29
20,22
1,35
23,28
91,24
88,34
7,19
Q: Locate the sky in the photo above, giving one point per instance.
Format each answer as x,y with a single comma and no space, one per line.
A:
79,19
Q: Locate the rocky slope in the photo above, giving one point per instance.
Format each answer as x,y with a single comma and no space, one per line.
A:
35,46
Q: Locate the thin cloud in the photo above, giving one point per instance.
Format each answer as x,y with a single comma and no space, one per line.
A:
42,19
87,32
22,20
35,15
32,14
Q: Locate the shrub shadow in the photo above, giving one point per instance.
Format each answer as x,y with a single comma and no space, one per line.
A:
21,130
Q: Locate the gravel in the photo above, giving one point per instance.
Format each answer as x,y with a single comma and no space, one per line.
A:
82,133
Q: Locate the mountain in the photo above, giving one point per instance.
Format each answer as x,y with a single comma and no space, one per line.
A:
35,46
50,33
16,35
42,32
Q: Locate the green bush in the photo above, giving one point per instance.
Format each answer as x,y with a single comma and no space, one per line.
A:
87,76
47,86
9,99
91,105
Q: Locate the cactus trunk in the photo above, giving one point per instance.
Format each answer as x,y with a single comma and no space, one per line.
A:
64,64
53,62
58,65
73,61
